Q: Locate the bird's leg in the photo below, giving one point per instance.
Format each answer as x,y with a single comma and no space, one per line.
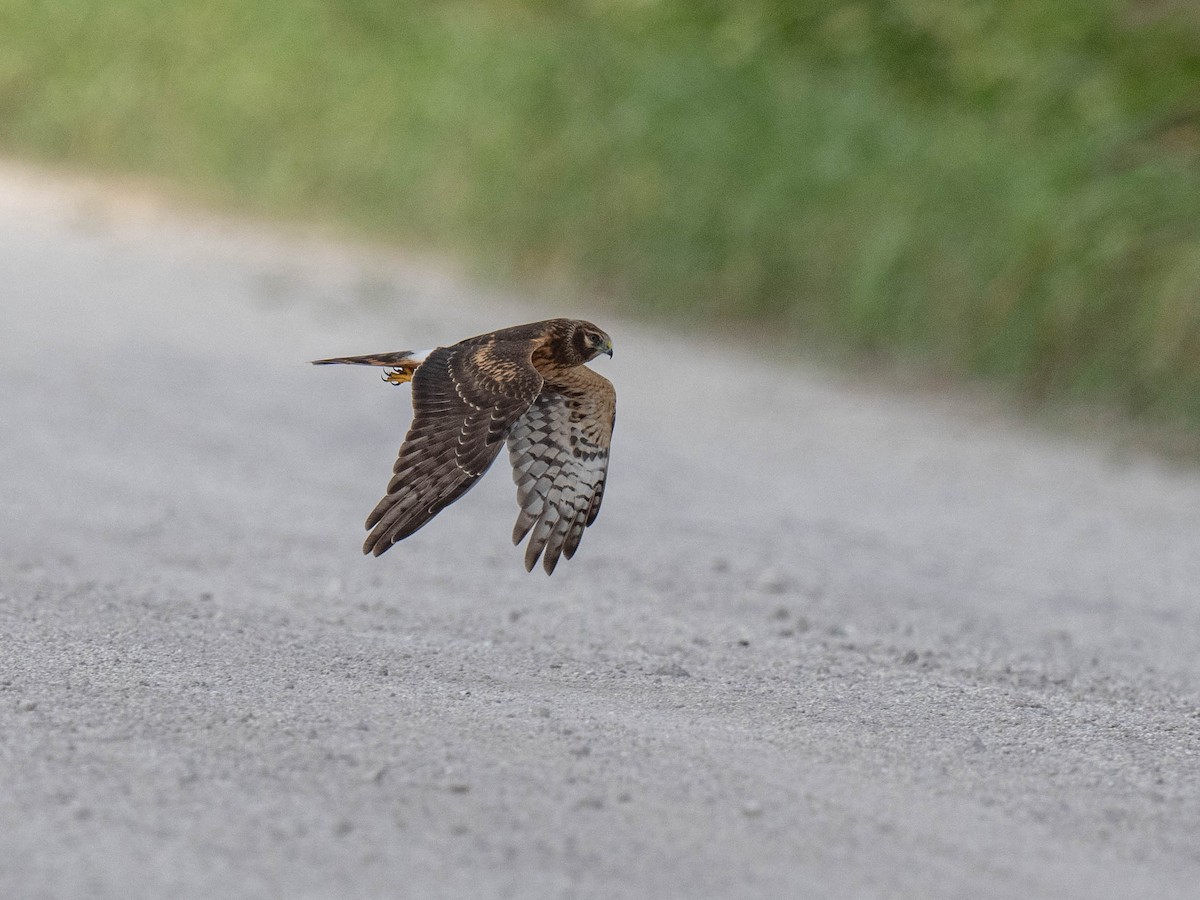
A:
400,374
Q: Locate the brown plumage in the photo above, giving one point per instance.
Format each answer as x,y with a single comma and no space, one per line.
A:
526,385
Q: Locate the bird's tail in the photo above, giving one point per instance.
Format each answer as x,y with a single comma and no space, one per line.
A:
399,358
402,365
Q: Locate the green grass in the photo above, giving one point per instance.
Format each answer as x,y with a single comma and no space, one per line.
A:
1010,193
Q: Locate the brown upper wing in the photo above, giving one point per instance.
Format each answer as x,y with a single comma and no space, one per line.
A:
559,454
465,400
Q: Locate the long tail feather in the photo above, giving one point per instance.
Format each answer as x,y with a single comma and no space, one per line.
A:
374,359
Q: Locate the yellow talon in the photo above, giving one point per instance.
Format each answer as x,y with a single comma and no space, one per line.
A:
398,376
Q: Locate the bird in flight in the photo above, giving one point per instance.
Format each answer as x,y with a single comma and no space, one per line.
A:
528,386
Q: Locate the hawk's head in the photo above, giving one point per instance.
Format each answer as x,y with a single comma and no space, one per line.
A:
589,341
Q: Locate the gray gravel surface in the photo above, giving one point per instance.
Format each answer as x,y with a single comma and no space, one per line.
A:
827,638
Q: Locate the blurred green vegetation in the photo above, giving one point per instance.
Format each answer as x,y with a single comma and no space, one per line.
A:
1006,189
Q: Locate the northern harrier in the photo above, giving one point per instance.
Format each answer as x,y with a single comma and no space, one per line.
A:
526,385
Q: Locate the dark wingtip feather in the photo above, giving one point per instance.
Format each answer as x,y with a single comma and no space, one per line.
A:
374,517
376,543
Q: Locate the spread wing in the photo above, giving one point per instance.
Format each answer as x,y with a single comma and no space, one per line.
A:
559,454
465,400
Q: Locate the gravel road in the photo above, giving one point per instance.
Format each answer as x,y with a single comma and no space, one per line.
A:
828,638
